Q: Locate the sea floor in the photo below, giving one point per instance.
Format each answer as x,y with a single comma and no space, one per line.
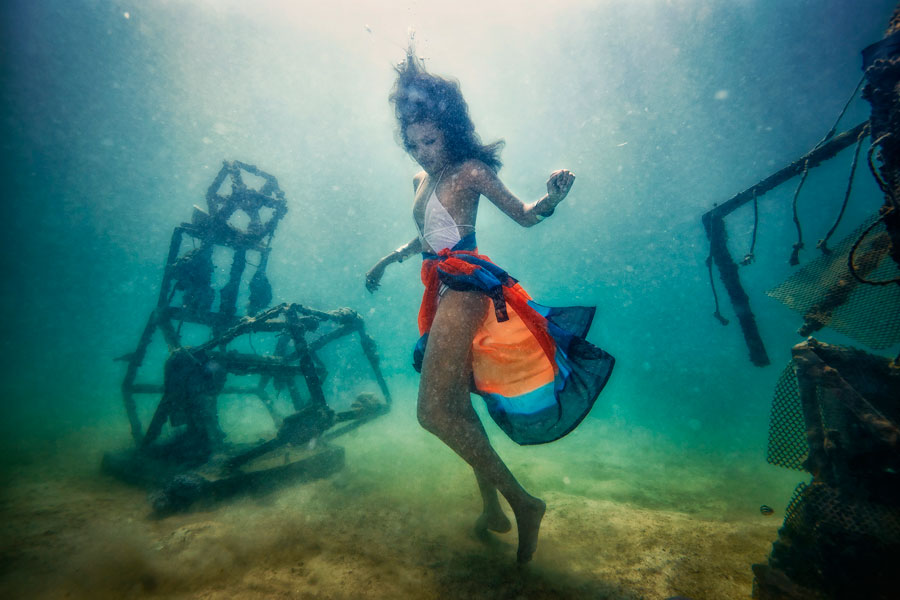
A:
629,517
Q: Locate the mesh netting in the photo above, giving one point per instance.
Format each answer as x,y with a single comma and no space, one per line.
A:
818,508
826,542
787,432
825,292
841,532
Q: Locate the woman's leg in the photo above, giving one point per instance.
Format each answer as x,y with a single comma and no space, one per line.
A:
492,517
445,408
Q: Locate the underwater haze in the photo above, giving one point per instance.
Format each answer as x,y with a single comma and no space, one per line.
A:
118,115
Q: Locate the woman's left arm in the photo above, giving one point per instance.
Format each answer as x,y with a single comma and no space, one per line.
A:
486,183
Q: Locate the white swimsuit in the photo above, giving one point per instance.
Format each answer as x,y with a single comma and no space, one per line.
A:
440,231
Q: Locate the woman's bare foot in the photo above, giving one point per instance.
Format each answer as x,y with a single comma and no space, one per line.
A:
492,521
528,522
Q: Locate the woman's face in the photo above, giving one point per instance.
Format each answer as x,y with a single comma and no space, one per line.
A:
425,143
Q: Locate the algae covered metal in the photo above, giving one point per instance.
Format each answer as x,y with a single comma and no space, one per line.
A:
215,335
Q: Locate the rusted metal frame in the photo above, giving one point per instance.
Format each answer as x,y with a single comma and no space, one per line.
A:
251,364
249,200
128,386
213,229
811,159
713,223
809,369
340,315
836,390
882,90
368,344
335,334
178,313
307,367
171,259
271,184
157,421
261,322
173,340
355,422
371,352
213,189
296,399
822,388
136,359
728,272
228,295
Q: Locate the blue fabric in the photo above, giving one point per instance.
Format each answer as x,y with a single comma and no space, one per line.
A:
553,410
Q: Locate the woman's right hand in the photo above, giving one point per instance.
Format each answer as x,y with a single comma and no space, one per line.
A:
373,277
558,186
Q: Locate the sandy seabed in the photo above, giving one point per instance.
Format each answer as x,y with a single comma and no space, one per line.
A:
627,518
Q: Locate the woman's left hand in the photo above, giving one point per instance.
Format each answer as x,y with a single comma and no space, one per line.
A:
558,185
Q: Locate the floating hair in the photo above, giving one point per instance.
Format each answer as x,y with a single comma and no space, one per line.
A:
422,96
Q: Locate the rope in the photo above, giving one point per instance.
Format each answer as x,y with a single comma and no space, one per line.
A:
892,208
844,110
823,243
749,257
886,190
712,286
855,247
796,248
795,253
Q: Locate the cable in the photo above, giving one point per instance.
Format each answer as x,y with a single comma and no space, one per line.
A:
855,247
823,243
712,285
749,257
795,253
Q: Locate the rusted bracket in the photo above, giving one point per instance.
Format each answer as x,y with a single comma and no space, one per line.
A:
714,224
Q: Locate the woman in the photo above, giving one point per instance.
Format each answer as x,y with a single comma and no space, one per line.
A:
530,363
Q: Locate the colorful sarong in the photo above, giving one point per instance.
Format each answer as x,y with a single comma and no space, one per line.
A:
537,374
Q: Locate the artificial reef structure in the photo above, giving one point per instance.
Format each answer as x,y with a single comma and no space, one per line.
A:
224,339
835,413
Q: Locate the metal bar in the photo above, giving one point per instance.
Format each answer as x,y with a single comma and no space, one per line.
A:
317,396
811,159
728,272
174,247
371,352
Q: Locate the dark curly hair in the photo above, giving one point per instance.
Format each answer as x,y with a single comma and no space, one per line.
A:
420,96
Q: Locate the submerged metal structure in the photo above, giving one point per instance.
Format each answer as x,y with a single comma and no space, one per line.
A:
836,409
856,278
273,346
835,415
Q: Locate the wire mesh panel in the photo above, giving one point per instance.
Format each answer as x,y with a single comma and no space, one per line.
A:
826,293
828,543
787,434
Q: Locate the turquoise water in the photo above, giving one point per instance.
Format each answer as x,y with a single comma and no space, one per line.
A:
116,117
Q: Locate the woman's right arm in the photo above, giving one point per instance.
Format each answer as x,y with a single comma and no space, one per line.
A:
485,181
373,277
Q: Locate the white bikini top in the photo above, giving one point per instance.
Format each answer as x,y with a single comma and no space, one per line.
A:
440,231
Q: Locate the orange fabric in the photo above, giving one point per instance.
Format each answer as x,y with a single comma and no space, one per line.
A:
509,358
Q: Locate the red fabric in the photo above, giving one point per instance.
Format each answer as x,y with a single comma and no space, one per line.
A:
515,296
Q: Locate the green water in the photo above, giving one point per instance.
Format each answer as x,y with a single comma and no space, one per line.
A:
116,118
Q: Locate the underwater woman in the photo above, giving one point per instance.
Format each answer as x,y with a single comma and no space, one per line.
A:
480,331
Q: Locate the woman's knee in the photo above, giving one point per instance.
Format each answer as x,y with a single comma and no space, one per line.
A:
426,419
432,417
